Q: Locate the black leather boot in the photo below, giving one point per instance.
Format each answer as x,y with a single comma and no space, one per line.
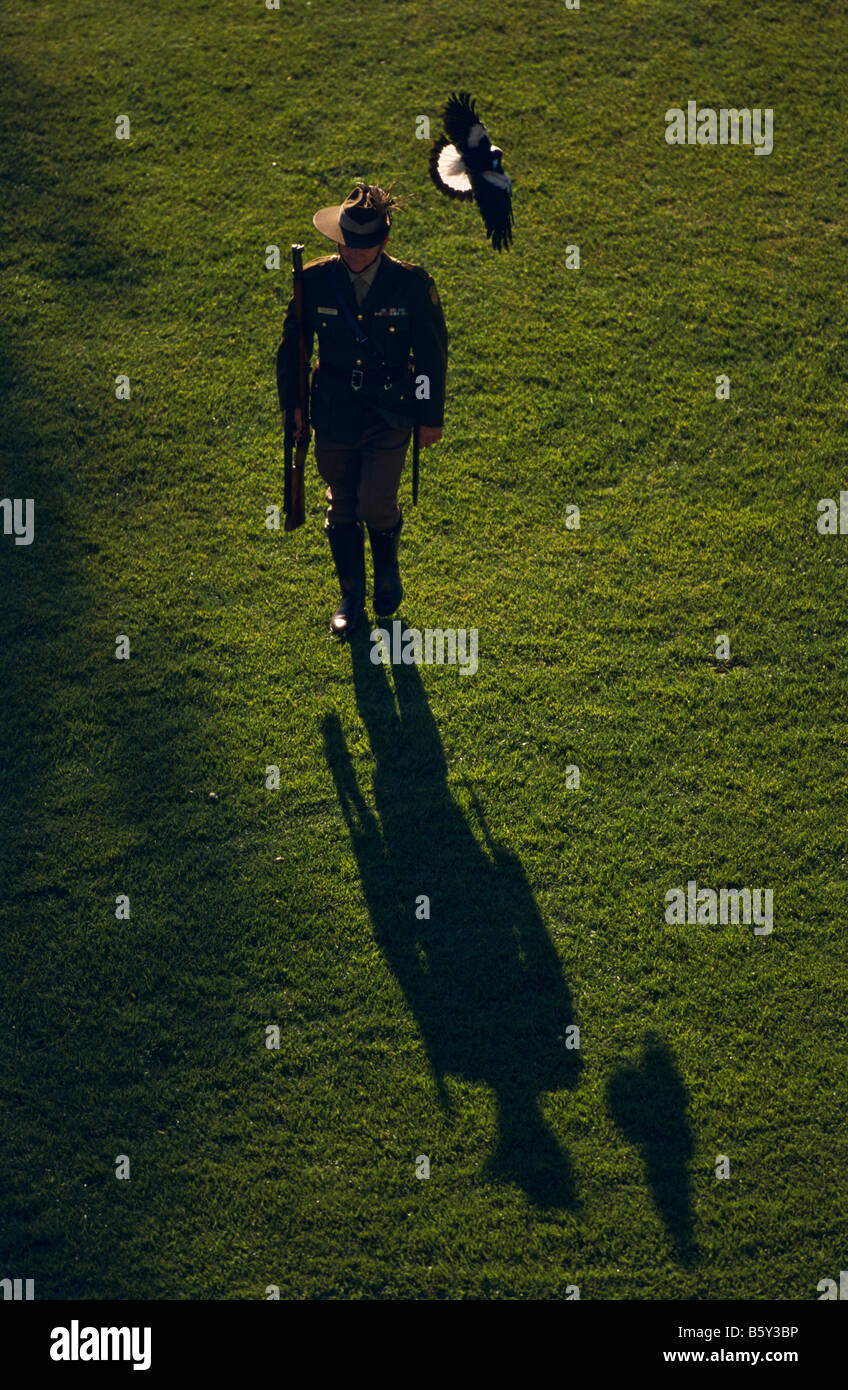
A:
347,542
388,590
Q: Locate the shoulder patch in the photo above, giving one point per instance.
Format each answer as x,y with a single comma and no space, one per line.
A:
434,293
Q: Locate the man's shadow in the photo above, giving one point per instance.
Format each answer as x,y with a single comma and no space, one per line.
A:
648,1104
481,976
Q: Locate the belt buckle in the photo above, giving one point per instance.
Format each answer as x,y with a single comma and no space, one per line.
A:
356,379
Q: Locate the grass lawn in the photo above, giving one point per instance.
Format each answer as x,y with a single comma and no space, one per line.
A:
550,1166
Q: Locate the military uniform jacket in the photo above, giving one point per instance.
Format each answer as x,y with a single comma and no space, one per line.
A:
401,315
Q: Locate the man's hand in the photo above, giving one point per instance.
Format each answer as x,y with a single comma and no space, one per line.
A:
298,422
429,434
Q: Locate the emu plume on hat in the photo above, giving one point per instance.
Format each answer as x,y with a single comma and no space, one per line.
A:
363,218
465,164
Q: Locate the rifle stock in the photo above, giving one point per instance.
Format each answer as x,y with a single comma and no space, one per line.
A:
294,497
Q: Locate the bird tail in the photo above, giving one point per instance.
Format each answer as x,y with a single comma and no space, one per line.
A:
448,171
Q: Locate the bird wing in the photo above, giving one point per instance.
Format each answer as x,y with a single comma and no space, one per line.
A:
461,121
494,199
447,170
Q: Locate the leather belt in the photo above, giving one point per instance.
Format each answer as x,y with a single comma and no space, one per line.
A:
356,379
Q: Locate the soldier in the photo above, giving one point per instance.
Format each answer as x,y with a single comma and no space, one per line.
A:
382,346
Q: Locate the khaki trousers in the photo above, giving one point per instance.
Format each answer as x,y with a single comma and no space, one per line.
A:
363,477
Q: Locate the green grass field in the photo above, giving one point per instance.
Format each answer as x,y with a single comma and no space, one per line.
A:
549,1167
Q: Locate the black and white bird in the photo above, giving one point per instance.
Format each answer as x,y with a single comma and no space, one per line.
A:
465,164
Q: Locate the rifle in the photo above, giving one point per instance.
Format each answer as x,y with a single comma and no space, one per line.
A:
294,505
